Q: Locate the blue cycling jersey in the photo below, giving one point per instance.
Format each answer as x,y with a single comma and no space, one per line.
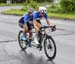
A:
37,16
27,18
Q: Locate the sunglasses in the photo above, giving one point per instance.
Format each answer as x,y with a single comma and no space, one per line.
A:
42,13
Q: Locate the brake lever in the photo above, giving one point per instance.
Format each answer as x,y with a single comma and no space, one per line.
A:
53,28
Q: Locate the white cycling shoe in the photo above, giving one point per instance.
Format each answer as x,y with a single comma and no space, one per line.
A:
36,41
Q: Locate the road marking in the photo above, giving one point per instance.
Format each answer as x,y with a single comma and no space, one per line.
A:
7,41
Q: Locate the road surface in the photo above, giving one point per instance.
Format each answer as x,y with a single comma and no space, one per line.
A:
2,8
10,52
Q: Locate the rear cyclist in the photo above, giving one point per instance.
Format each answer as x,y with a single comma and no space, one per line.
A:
26,22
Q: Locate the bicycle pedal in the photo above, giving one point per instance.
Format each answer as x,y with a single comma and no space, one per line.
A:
39,47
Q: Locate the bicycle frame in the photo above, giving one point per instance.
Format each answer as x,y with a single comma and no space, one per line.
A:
42,36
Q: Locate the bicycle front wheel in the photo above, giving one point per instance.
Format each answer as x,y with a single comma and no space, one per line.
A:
50,47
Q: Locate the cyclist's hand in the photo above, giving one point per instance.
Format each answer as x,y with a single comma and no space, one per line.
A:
53,28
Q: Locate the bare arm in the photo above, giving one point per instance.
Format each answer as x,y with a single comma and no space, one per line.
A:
48,22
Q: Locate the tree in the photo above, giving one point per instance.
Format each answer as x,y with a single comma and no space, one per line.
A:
39,0
49,0
3,1
68,5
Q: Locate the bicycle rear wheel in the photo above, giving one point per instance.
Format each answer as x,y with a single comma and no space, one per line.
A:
22,44
50,47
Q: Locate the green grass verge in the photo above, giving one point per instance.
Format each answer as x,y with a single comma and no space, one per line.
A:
62,15
21,4
14,12
15,4
54,15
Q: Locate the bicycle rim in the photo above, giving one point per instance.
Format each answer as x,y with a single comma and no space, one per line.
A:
21,43
50,48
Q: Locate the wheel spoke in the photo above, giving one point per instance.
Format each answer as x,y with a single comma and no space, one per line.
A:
21,43
50,48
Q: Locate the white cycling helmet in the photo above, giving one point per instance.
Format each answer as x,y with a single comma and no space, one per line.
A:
42,9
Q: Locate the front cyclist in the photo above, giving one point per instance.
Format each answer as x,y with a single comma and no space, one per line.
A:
42,12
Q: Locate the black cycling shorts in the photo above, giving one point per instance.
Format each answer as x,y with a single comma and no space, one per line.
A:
30,26
38,21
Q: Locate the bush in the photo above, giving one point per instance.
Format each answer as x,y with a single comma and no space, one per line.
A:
55,8
55,5
68,5
2,1
31,4
39,1
49,0
34,5
24,9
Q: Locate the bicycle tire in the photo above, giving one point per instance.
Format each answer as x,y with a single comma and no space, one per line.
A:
54,54
23,48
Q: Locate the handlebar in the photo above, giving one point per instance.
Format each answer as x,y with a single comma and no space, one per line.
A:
46,27
53,28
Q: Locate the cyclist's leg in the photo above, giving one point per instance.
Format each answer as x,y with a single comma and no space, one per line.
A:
30,33
37,24
25,27
30,37
29,30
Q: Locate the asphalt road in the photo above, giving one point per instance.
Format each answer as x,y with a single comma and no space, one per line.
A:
2,8
10,52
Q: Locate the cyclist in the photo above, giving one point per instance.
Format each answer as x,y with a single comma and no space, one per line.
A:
42,12
26,22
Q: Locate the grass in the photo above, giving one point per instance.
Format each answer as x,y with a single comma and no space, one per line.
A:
54,15
15,4
14,12
62,15
18,4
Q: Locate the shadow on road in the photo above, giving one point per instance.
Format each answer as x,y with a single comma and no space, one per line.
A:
31,59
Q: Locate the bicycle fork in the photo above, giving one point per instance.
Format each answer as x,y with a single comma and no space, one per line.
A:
41,40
